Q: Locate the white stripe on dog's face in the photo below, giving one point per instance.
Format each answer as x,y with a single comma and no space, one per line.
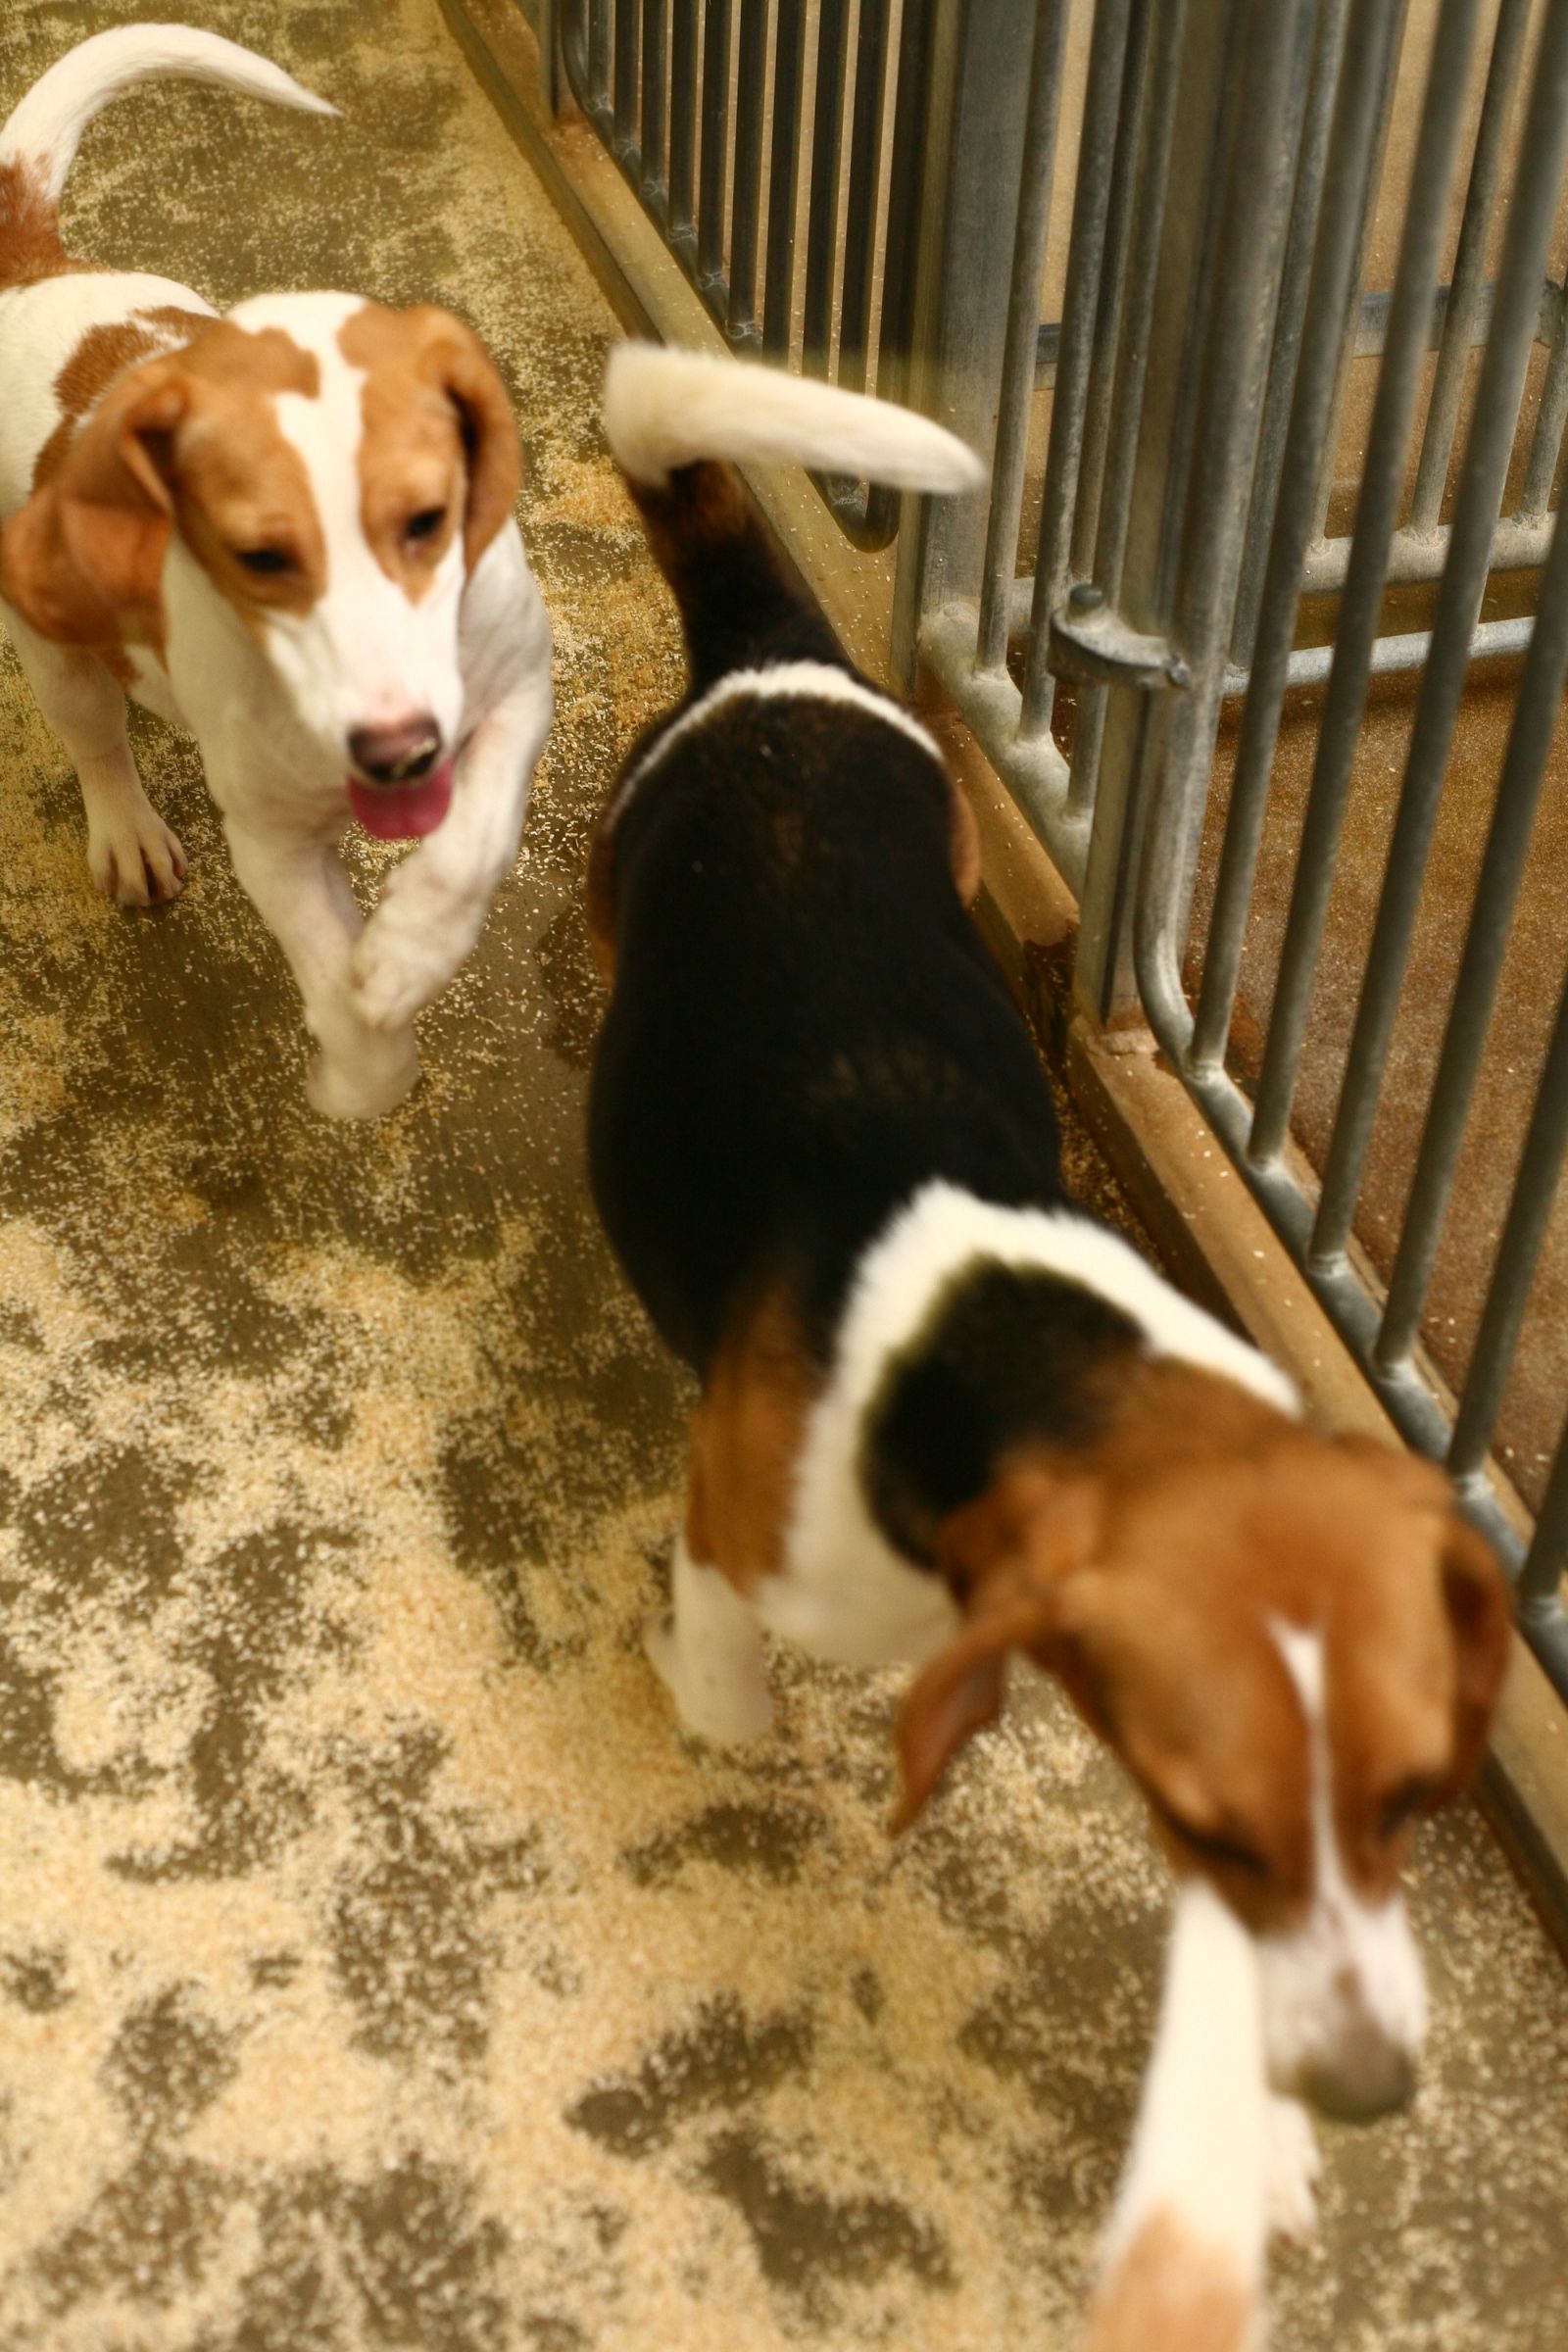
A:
379,647
1345,1996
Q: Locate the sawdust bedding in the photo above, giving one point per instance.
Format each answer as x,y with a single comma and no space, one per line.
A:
377,1964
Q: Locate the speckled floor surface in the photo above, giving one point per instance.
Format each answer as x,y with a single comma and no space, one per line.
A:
377,1966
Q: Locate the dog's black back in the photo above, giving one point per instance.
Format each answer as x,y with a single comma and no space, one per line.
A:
804,1027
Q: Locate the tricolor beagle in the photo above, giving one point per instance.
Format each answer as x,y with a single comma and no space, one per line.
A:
289,529
944,1417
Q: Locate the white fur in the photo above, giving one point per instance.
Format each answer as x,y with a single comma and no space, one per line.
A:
708,1654
1200,2147
664,409
1345,1992
272,717
845,1593
807,681
46,127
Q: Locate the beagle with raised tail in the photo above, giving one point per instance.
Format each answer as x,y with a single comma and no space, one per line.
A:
945,1418
290,530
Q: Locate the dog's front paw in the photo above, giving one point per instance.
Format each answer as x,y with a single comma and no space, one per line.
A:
1293,2167
414,942
732,1712
390,978
133,857
372,1089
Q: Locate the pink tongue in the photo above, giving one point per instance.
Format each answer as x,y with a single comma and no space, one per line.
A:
400,811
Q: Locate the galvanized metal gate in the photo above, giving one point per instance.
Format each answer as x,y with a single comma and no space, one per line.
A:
1238,480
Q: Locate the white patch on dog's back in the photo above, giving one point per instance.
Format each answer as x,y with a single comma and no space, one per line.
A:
845,1593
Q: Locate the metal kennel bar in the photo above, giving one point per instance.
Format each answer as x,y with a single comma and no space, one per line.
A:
719,113
1318,1215
1127,247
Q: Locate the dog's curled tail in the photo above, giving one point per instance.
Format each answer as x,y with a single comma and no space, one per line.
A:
678,421
668,409
38,141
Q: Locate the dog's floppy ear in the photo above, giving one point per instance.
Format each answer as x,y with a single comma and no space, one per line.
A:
458,358
84,560
1476,1595
1016,1603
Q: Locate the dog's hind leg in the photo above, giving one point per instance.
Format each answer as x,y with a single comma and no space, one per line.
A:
708,1654
132,855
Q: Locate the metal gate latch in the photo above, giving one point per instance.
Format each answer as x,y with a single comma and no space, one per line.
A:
1091,645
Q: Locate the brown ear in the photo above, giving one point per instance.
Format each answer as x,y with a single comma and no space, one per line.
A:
1481,1614
84,560
1016,1549
957,1695
489,431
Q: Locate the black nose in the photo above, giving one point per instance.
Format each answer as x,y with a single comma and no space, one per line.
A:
397,754
1359,2094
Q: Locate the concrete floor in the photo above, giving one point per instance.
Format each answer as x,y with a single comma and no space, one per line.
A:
377,1966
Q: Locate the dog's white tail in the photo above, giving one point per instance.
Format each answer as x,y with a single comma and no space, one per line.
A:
666,409
45,129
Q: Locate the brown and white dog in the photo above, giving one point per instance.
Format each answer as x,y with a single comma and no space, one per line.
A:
290,530
947,1419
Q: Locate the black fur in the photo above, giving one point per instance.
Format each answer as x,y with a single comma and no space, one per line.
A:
804,1027
1008,1353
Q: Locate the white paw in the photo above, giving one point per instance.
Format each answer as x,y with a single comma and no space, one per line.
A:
367,1092
1292,2169
730,1711
410,947
134,858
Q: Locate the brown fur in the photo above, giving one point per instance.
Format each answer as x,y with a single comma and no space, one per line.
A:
746,1437
1166,2293
438,433
105,352
84,560
1198,1523
30,229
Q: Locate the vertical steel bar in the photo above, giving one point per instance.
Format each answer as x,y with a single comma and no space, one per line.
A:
860,205
1464,294
958,150
912,102
1524,1230
599,49
1233,364
1552,414
627,29
1023,334
1121,210
682,116
784,180
1069,400
1404,350
1371,50
1290,322
716,143
1481,476
1127,398
745,200
1475,991
1538,1591
655,100
822,196
1348,349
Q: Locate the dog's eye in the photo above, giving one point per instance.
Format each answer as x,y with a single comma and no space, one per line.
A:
264,562
1402,1806
1230,1854
425,523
